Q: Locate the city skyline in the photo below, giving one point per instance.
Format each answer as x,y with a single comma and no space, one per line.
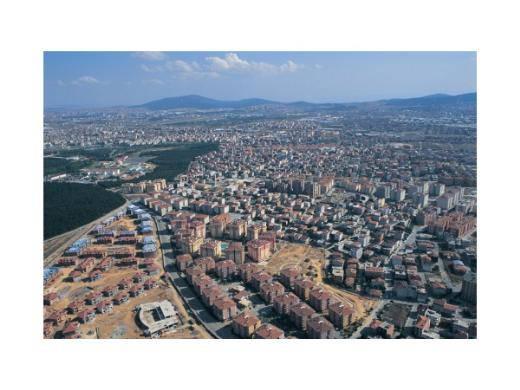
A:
97,79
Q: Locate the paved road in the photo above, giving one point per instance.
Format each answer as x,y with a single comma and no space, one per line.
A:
194,304
368,319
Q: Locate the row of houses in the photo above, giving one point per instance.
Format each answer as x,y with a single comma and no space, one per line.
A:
95,303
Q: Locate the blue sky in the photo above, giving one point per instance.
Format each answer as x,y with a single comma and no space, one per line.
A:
124,78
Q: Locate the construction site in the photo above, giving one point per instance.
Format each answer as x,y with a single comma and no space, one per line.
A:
311,261
93,287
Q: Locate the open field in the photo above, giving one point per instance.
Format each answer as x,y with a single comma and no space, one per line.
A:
121,322
310,259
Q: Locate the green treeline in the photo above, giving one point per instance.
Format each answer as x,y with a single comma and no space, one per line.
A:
54,166
174,161
71,205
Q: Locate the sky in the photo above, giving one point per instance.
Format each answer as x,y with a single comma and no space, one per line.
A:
98,79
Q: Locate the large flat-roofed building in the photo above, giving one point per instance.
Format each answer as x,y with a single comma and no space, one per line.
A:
157,317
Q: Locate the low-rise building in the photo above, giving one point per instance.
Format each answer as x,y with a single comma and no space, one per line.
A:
269,331
288,275
224,308
300,314
246,324
284,302
259,278
246,271
226,269
341,314
320,299
320,328
268,291
303,287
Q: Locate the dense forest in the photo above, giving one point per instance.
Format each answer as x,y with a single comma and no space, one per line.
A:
54,166
97,154
71,205
174,161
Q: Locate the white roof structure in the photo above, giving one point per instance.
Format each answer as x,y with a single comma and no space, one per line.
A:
157,316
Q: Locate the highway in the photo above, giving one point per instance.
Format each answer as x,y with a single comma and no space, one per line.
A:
194,304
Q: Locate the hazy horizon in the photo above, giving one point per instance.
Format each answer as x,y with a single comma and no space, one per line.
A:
105,79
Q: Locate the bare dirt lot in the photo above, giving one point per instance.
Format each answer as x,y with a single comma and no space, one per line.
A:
312,262
310,259
120,323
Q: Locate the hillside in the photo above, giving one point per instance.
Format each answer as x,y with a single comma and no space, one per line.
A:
200,102
427,103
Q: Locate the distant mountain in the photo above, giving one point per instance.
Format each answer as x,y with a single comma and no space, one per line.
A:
429,103
469,99
201,102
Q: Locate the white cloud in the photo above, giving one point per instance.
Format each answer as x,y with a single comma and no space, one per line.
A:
290,66
87,80
214,66
80,81
189,70
152,68
232,62
179,66
153,82
150,55
318,66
